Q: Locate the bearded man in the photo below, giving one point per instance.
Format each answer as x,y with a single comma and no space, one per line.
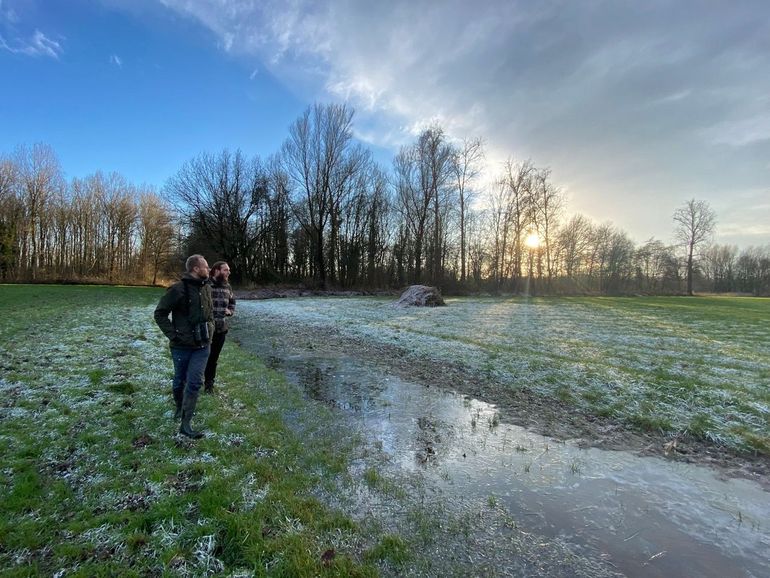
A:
189,332
224,308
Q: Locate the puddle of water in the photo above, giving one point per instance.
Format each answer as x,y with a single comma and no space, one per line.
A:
647,516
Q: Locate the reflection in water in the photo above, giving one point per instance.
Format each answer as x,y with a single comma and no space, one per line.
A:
647,516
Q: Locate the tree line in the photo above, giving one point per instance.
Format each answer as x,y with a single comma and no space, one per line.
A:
320,211
100,228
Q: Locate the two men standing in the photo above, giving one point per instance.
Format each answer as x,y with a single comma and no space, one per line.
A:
190,331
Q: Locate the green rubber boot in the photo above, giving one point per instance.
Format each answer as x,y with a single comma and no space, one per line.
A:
188,409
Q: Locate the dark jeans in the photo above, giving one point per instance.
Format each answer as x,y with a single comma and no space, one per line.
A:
188,367
217,342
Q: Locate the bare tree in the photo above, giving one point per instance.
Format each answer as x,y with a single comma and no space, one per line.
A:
84,200
119,213
695,223
752,271
220,196
719,265
414,206
656,267
40,176
466,167
478,253
279,222
546,208
574,240
514,203
378,225
320,159
11,214
156,234
434,156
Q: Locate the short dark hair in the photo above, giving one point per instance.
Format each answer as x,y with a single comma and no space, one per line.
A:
193,261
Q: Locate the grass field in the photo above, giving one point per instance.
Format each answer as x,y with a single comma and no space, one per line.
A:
94,481
680,366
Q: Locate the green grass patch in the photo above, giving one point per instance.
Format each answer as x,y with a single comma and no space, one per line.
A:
651,363
391,549
95,481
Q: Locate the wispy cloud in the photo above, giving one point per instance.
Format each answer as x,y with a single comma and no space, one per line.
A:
510,59
623,101
8,14
37,45
741,132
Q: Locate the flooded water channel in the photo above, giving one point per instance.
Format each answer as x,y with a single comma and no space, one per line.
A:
645,516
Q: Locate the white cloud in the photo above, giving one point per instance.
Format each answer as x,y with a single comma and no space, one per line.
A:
38,45
621,100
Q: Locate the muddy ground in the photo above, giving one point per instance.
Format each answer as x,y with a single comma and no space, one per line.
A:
546,416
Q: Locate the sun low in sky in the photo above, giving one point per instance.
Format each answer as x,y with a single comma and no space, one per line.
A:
635,107
532,240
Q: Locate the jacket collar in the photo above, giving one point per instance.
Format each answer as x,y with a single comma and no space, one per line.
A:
193,280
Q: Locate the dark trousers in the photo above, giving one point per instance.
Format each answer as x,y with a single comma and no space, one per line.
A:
188,368
217,342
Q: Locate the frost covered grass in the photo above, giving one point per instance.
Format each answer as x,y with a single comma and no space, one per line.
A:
680,366
94,480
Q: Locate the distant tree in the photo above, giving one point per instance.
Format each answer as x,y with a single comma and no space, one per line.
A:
752,270
276,248
545,209
574,240
466,166
11,214
423,172
86,216
156,234
414,201
119,214
220,195
478,253
512,214
321,160
695,223
656,267
616,252
40,177
719,266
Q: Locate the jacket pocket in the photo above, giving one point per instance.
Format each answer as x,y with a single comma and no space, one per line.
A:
182,340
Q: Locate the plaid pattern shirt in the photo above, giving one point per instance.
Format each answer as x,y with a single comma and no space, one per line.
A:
223,298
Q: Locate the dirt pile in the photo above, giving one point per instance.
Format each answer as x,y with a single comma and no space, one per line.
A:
420,296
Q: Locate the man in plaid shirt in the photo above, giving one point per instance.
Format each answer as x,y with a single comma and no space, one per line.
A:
224,307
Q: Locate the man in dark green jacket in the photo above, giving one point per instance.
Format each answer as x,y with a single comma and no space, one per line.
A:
189,331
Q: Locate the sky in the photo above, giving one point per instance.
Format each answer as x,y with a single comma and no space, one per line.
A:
635,107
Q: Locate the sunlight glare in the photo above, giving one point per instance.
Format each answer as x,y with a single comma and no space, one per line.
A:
532,240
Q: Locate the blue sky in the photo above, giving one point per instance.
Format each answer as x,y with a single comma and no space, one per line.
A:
136,91
635,106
